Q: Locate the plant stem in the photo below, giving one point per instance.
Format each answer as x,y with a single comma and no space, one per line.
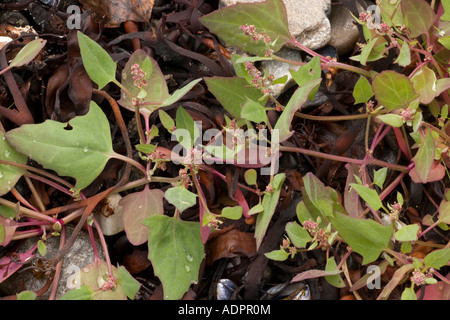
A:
332,118
368,161
28,212
130,161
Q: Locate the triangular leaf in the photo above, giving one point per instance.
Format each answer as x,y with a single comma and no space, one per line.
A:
55,145
176,252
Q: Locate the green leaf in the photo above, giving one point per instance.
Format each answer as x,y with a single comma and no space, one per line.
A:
179,93
407,233
366,50
298,235
362,91
93,276
166,120
375,54
437,258
176,252
180,197
145,148
137,207
9,175
233,213
156,89
268,16
97,62
28,53
42,248
404,58
424,157
370,196
364,236
306,73
444,212
418,16
409,294
186,132
129,284
393,90
446,15
318,194
424,82
26,295
299,97
254,111
233,93
7,212
81,293
334,280
256,209
277,255
251,176
269,202
379,176
391,119
55,145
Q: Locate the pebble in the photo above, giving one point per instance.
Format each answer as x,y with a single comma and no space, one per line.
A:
344,32
80,255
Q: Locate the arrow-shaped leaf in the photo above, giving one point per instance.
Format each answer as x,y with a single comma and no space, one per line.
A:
176,252
78,149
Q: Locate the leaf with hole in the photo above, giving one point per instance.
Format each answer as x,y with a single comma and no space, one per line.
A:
137,207
176,252
268,16
309,71
55,145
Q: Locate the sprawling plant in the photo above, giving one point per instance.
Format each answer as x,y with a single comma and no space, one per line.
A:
414,105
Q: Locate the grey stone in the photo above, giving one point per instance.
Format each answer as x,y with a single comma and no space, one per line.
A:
344,32
280,69
307,20
80,255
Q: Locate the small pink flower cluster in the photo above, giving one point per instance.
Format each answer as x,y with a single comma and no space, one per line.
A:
257,79
250,31
109,284
319,234
139,76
